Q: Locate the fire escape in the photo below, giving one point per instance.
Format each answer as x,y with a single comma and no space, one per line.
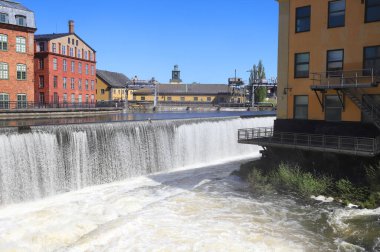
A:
351,84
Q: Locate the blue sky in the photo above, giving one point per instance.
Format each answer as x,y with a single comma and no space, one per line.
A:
208,39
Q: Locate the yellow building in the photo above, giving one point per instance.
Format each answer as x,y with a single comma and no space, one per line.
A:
110,86
328,78
189,93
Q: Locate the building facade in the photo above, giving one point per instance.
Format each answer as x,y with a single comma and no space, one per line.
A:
65,69
111,86
17,27
329,56
328,79
212,94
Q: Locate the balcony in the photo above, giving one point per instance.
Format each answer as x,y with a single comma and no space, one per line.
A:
363,78
267,137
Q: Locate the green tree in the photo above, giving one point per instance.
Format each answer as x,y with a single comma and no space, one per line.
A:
257,76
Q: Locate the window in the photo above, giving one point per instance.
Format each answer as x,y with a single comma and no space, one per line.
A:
41,83
64,65
64,83
68,40
42,97
92,70
55,98
72,83
80,98
73,98
301,106
182,99
79,55
55,81
92,98
20,44
102,91
87,98
4,101
93,85
64,98
54,47
71,52
169,98
86,84
55,64
79,67
337,10
333,108
4,72
21,72
301,68
372,60
303,19
21,101
80,84
72,66
195,98
372,11
77,42
143,98
64,50
3,42
91,56
20,20
4,18
86,55
41,63
87,69
335,62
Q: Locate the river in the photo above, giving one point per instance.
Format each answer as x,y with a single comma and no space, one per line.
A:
95,188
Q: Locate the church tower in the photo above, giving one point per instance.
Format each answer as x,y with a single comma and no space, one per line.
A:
176,76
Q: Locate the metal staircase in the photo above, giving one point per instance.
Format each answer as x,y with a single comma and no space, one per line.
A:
366,104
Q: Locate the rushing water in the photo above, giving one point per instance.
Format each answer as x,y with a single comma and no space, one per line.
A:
136,187
51,160
203,209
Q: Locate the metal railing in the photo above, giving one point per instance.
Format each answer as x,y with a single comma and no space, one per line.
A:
352,78
24,106
268,136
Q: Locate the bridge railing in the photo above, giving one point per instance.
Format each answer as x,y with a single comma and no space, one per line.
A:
268,135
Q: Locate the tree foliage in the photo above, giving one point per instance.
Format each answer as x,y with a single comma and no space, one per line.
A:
257,76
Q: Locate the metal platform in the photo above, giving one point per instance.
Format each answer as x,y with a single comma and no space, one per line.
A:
266,137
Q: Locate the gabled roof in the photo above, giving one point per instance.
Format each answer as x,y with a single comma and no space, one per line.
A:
113,79
44,37
189,89
14,5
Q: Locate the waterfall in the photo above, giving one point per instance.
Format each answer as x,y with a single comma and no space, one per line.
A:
54,159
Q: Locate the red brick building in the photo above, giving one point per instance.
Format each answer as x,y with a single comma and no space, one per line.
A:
17,27
65,69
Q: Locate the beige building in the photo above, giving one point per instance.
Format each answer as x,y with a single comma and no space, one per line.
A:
110,86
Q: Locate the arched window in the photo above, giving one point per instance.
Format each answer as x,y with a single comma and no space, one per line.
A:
20,20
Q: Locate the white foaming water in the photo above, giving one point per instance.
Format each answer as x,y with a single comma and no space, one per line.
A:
190,210
56,159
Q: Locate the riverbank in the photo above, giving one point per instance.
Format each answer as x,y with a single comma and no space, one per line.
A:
345,179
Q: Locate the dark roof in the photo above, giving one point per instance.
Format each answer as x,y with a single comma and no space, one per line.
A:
188,89
44,37
113,79
50,36
14,5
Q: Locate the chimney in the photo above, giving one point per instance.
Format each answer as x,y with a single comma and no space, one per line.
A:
71,26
